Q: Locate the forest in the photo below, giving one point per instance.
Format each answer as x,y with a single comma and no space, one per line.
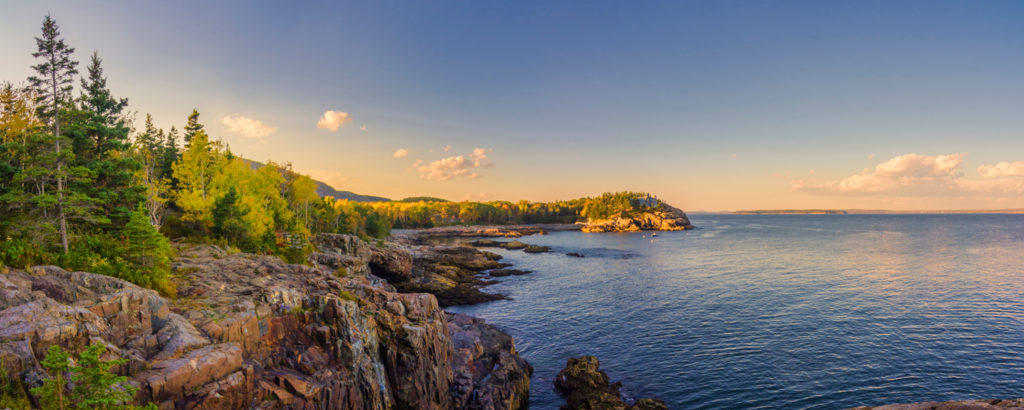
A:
428,212
82,188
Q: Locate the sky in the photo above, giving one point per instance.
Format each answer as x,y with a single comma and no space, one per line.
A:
709,105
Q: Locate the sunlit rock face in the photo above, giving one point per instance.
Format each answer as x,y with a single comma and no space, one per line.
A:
253,331
662,217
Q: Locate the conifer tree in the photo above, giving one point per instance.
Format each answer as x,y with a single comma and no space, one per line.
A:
147,250
53,85
192,127
169,154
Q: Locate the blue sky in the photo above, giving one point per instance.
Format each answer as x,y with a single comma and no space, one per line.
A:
712,105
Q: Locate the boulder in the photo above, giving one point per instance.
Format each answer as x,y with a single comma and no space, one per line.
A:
585,386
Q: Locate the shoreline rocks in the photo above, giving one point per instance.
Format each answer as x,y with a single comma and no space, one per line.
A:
585,386
250,331
663,218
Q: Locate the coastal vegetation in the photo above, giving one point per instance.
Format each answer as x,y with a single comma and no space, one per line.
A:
81,188
429,212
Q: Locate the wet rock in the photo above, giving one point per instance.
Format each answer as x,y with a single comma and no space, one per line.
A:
585,386
508,272
514,245
537,249
489,374
574,254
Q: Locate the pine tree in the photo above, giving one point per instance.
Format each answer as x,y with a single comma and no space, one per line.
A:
147,250
227,217
150,139
102,146
169,154
54,86
192,127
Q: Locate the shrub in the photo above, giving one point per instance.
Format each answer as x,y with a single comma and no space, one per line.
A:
95,386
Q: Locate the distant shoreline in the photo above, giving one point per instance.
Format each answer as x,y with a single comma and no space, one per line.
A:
863,212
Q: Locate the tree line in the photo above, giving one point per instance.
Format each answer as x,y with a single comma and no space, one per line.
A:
81,188
429,212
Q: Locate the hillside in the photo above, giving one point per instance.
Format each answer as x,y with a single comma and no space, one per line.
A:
325,190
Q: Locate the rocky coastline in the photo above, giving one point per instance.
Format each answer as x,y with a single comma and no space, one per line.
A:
662,217
249,331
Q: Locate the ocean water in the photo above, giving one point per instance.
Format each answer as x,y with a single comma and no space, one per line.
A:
802,311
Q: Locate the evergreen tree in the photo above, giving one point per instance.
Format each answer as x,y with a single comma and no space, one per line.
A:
102,145
148,251
53,85
51,392
169,154
192,127
227,217
150,139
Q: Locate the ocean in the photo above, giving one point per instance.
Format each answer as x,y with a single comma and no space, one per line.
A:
778,311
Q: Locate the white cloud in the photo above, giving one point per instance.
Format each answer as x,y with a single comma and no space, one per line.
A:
247,127
447,148
1002,169
921,176
400,153
333,120
909,174
447,168
455,166
480,158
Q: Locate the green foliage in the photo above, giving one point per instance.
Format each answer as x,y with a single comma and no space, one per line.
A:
227,217
51,393
346,295
148,253
426,214
94,384
12,392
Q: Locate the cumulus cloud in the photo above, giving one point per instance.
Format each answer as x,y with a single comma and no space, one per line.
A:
400,153
455,166
1002,169
906,174
247,127
333,120
480,158
914,175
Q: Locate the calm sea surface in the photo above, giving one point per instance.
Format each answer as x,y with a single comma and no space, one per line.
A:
807,311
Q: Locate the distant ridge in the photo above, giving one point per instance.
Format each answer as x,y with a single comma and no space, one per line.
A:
874,211
325,190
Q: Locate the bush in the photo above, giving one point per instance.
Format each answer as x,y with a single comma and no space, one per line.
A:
95,385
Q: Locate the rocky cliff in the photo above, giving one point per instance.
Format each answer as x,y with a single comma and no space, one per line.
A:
660,217
252,331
